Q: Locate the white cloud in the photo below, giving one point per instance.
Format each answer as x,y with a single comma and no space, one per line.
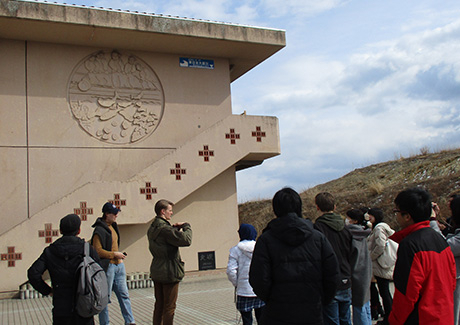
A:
295,8
388,98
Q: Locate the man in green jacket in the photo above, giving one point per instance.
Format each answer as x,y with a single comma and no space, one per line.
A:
167,268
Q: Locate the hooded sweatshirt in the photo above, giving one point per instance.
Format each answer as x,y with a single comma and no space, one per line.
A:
376,242
361,266
239,262
333,227
294,270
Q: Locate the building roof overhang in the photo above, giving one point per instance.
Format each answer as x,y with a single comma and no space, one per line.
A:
244,46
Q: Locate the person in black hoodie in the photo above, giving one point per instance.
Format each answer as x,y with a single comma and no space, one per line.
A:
333,227
61,259
294,269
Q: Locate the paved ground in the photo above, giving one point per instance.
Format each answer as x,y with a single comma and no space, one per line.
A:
205,298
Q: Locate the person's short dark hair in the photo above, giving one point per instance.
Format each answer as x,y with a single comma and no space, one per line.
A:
455,208
162,204
325,201
110,208
285,201
357,215
70,225
364,209
452,197
377,214
416,202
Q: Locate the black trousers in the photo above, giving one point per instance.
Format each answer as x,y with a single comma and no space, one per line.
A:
246,316
384,289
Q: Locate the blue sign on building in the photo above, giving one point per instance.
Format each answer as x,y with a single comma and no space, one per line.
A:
196,63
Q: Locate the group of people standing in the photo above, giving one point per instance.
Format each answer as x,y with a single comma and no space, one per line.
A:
295,272
63,257
298,272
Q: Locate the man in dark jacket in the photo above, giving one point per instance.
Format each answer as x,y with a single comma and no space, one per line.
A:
425,270
167,268
106,241
293,269
333,227
61,259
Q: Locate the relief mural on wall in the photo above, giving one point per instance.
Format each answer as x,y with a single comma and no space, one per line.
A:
116,97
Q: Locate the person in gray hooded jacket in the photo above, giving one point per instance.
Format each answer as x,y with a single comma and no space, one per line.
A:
294,269
361,268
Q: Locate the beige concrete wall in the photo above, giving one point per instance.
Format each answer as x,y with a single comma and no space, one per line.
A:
12,94
194,100
212,211
13,191
56,170
13,135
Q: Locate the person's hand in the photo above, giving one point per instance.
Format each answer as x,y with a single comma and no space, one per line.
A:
441,226
119,255
435,209
178,224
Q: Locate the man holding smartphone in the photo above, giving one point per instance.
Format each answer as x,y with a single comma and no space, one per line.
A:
106,241
167,268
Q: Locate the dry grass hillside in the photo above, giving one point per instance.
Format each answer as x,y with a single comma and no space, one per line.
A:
375,186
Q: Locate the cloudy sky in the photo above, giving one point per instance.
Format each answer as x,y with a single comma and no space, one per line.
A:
359,82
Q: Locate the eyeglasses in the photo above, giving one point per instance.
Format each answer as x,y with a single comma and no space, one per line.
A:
399,211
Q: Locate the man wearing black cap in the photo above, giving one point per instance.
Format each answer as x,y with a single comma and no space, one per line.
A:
106,240
61,259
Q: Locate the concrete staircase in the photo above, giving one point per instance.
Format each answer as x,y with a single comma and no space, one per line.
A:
238,141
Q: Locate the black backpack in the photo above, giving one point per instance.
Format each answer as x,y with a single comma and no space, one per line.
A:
92,288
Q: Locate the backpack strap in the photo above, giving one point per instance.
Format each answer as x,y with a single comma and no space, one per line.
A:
86,253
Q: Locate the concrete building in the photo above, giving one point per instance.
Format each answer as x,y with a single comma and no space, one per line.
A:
102,105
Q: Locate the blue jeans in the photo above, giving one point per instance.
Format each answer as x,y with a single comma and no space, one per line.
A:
116,277
338,311
362,315
457,302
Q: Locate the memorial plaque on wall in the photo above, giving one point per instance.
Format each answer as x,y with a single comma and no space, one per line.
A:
207,261
116,97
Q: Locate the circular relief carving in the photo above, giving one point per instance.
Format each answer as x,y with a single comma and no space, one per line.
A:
115,97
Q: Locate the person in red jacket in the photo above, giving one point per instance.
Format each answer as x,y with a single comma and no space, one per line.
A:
424,275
